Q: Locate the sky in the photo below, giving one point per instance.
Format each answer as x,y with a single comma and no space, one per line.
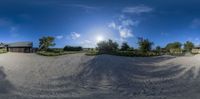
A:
87,22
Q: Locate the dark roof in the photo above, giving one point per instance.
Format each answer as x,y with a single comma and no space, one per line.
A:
20,44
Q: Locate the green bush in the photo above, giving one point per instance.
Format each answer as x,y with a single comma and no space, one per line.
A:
44,53
107,47
92,53
176,52
55,50
134,54
3,51
73,48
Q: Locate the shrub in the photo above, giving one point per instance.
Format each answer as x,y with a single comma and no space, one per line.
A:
176,52
134,53
144,45
92,53
107,46
175,45
125,46
188,46
3,50
73,48
44,53
55,50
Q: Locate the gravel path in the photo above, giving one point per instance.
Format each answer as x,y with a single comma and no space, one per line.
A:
76,76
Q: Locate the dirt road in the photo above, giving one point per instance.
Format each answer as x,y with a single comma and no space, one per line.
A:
76,76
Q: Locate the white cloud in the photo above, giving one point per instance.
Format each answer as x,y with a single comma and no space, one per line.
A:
75,35
124,27
59,37
87,7
129,22
125,33
137,9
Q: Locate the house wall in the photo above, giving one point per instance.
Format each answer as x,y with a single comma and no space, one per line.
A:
196,51
20,49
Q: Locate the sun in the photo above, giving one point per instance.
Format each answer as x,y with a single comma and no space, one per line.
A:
99,38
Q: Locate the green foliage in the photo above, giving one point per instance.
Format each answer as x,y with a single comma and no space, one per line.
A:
175,45
135,54
56,52
107,46
176,52
125,46
158,50
46,42
92,53
73,48
144,45
44,53
3,51
188,46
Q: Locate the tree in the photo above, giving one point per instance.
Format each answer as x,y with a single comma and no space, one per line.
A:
188,46
144,45
107,46
46,42
175,45
125,46
158,49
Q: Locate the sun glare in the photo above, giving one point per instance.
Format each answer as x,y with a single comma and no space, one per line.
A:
99,38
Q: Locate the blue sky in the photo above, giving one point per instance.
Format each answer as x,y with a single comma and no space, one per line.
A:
86,22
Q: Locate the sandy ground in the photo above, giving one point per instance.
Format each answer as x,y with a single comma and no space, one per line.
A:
76,76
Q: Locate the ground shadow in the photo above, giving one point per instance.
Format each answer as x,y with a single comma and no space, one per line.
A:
5,85
111,76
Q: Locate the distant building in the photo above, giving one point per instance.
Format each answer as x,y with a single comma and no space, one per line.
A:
23,47
2,45
196,50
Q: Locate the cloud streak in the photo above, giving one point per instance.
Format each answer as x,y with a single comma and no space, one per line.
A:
124,27
137,9
75,35
84,6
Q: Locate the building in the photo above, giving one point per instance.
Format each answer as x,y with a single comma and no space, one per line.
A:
2,46
22,47
196,50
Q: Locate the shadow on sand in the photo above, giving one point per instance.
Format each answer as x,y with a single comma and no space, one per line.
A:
5,85
111,77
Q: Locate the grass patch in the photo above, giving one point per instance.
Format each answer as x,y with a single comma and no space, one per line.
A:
3,51
124,53
46,53
92,53
134,54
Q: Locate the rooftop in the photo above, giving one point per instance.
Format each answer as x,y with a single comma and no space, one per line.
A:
20,44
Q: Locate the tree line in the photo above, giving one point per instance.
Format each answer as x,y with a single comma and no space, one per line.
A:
46,42
109,46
